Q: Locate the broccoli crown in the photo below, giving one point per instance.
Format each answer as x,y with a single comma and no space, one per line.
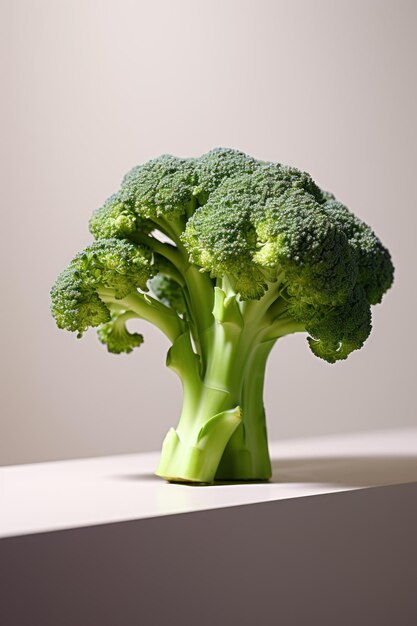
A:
114,264
253,222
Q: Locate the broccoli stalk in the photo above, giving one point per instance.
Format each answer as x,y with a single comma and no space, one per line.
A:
250,252
222,430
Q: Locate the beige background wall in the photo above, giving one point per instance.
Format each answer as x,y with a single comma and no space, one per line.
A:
93,87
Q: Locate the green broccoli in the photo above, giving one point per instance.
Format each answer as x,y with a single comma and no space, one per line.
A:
225,255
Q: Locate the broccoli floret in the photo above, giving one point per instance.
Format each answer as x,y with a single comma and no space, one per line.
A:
219,165
117,219
162,187
337,331
115,335
250,251
376,272
75,306
111,266
275,223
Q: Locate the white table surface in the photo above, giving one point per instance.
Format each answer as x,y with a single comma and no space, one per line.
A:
68,494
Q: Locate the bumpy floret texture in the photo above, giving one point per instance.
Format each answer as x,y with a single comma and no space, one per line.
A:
253,222
117,219
274,222
255,226
337,331
116,336
161,188
113,264
375,269
218,165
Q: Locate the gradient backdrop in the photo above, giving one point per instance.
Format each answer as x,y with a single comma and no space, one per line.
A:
91,88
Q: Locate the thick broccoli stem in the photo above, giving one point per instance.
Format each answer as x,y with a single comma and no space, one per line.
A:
211,412
246,456
223,406
221,433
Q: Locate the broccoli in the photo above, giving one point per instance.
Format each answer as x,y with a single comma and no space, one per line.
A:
225,254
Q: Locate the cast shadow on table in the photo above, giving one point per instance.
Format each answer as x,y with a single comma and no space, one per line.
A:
355,471
349,471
